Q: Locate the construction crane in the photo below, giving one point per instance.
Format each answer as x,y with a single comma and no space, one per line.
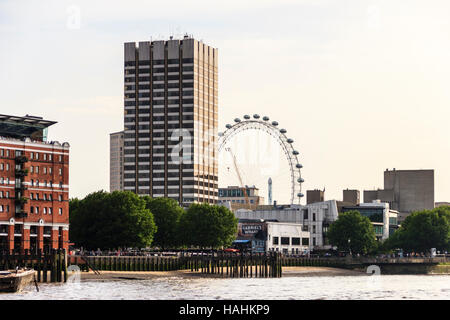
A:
244,189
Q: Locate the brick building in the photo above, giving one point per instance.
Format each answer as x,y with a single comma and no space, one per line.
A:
34,186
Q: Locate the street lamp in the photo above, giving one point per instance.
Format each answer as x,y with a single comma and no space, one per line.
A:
349,248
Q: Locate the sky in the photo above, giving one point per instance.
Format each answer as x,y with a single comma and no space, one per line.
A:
360,86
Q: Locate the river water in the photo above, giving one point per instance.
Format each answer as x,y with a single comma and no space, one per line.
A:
286,288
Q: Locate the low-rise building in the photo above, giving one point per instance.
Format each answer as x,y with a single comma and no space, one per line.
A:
315,218
237,199
263,236
384,219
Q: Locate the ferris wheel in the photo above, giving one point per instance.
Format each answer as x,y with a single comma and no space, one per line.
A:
272,128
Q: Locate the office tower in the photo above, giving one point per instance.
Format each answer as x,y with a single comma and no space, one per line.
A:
351,196
313,196
116,161
34,186
406,191
171,119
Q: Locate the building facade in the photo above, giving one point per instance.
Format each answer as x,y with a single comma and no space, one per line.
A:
313,196
406,191
235,195
384,219
116,161
34,186
171,120
264,236
315,218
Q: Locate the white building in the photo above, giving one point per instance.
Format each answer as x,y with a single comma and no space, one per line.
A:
288,238
315,218
384,219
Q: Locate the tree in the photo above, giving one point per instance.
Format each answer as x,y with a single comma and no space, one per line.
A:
423,230
166,213
352,232
111,220
205,225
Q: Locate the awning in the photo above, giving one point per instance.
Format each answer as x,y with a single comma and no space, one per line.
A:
241,241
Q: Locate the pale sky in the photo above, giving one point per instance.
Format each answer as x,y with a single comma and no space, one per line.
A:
360,86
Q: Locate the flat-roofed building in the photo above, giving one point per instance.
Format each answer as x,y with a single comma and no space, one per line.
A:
171,120
116,161
34,186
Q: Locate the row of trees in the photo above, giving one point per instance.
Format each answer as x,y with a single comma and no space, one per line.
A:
420,232
123,219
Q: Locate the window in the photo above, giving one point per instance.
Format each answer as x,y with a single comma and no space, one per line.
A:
1,194
60,158
37,156
31,169
7,167
275,240
37,169
60,171
37,196
45,170
60,198
7,194
45,210
314,217
60,211
285,240
31,155
305,214
37,182
1,208
49,157
295,242
50,170
305,228
1,166
314,241
31,210
305,241
49,210
45,196
31,197
36,210
45,156
314,229
32,182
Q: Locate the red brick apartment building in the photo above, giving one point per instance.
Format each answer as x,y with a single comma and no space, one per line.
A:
34,186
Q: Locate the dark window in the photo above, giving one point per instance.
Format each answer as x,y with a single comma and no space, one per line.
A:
305,241
295,241
275,240
285,240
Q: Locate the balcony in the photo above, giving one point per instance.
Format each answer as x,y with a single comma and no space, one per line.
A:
21,214
21,201
21,172
21,159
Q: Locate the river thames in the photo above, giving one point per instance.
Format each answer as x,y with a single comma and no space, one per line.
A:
384,287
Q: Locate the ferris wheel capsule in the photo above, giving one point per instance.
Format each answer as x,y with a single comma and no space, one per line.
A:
300,180
290,141
300,195
237,120
256,116
298,166
295,153
220,134
246,117
266,118
228,126
283,131
274,123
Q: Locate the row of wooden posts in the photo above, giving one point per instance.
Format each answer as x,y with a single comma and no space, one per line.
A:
50,266
221,264
53,266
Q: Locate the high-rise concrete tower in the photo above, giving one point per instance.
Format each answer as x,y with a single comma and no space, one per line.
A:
171,120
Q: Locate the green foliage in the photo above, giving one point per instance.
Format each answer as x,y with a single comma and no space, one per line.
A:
111,220
422,231
358,229
167,214
205,226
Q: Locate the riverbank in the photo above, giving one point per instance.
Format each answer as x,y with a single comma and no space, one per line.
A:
148,275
